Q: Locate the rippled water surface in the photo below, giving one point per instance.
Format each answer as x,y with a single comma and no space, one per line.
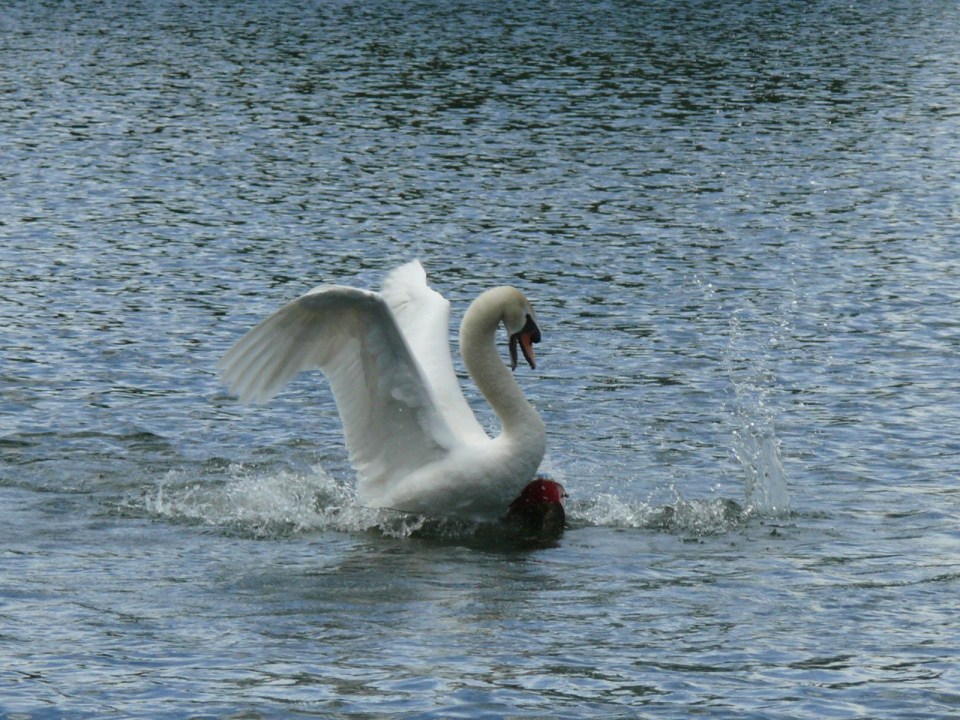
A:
738,224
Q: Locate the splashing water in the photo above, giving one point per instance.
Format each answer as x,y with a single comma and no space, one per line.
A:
755,443
765,482
266,504
697,517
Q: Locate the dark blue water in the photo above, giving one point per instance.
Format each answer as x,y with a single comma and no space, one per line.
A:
738,225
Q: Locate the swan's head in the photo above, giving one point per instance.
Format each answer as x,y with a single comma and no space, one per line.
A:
521,324
500,305
538,512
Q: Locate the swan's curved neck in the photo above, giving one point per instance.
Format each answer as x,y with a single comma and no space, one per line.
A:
478,332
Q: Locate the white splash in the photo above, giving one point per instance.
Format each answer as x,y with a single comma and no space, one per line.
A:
263,503
765,482
755,442
696,516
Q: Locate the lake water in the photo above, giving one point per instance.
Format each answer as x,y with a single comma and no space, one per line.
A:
738,223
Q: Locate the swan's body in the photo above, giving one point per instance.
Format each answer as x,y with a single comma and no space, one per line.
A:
414,442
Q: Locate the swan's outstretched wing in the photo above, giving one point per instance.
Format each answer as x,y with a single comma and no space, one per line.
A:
390,421
423,315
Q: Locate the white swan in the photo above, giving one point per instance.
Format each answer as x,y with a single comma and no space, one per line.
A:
414,442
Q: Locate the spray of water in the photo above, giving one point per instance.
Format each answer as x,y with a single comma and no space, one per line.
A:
755,442
696,517
269,503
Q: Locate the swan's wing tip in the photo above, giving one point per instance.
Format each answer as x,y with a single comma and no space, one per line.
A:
405,279
413,268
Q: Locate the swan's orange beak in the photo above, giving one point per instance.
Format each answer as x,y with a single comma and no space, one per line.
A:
525,339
